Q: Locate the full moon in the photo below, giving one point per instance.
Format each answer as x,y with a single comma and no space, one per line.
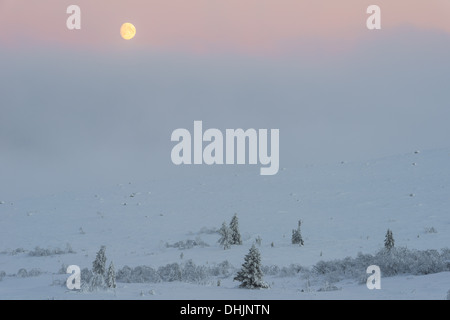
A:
127,31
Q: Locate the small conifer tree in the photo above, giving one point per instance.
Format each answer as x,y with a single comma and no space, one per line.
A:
225,236
389,240
297,235
235,234
111,276
250,275
99,264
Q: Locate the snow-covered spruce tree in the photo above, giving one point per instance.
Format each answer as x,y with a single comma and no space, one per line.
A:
111,276
297,235
389,240
250,275
225,236
98,279
235,234
99,264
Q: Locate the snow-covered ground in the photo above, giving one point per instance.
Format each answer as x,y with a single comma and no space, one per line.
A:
345,208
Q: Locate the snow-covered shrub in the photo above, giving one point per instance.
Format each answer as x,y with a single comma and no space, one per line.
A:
328,287
63,269
206,230
272,270
192,273
34,272
170,272
223,269
124,274
430,230
86,275
2,275
290,271
185,272
40,252
445,253
22,273
331,270
391,262
59,283
427,262
258,241
364,259
17,251
69,248
403,261
448,295
188,244
325,267
142,274
97,282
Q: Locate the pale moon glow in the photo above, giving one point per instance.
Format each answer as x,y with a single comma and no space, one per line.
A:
127,31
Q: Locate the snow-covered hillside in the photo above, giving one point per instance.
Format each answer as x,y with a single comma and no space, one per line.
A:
345,208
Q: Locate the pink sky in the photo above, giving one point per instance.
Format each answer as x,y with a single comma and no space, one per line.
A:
210,25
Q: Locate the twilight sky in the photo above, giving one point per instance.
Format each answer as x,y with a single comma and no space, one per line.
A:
86,107
257,26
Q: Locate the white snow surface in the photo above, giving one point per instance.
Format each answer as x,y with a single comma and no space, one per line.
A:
345,208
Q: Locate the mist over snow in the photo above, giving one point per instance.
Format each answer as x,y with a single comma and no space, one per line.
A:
71,118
